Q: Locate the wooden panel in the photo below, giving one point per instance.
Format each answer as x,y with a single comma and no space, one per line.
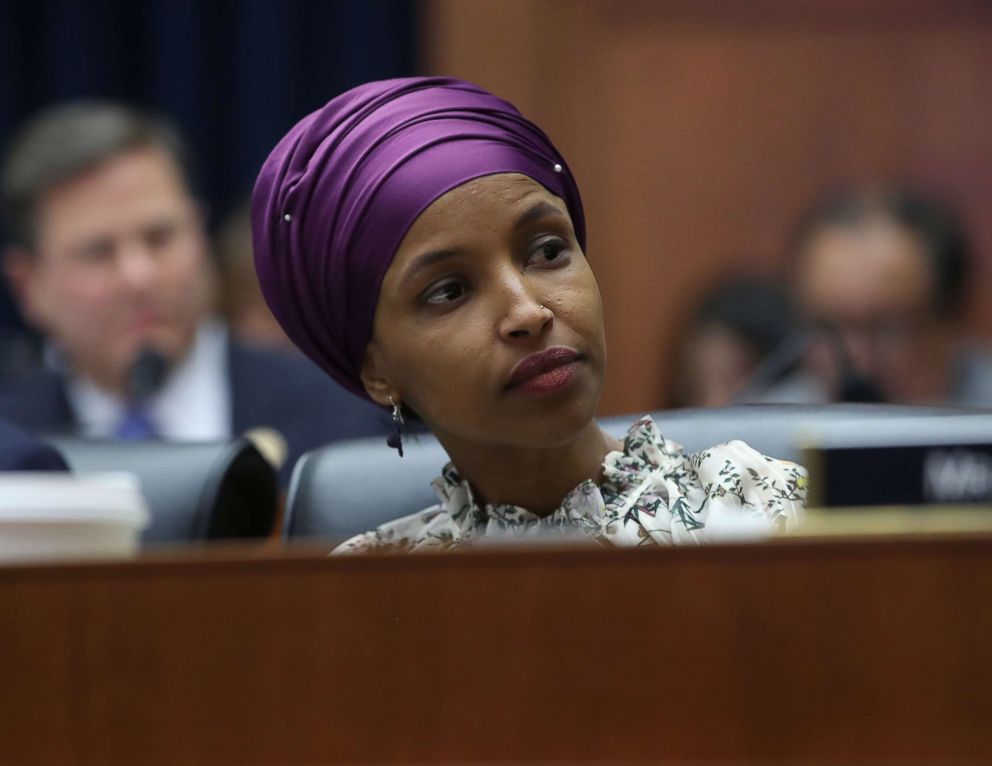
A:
699,130
789,652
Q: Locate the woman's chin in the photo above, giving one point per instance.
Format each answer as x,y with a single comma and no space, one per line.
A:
540,428
554,426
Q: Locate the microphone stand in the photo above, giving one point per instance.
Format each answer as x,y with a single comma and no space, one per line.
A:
853,386
776,364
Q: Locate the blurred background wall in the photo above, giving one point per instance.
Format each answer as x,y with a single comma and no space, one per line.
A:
235,74
698,129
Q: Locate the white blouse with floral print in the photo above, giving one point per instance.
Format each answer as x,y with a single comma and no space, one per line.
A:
652,493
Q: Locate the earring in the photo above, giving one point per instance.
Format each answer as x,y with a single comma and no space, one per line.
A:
395,439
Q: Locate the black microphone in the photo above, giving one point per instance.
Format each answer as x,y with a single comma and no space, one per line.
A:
780,361
147,374
853,386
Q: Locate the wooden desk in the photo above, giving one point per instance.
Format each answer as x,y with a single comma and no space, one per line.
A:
793,651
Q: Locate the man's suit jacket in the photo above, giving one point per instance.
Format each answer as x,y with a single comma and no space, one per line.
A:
268,389
19,451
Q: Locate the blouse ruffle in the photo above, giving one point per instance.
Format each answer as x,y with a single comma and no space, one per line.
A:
652,493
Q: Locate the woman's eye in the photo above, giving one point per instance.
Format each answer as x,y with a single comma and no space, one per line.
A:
550,252
445,293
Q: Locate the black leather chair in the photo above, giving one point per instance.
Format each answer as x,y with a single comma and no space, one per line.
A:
350,487
195,490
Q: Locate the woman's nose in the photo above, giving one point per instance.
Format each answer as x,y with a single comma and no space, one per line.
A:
524,316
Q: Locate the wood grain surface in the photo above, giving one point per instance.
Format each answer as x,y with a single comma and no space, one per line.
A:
791,652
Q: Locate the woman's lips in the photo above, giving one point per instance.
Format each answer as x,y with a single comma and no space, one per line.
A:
545,372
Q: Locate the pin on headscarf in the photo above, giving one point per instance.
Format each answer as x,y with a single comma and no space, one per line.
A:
336,196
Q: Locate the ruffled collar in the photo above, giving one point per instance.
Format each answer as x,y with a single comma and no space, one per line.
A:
589,506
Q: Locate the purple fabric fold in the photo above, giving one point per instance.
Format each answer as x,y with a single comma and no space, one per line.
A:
338,193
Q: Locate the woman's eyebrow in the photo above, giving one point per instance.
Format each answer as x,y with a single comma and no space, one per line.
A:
536,212
424,261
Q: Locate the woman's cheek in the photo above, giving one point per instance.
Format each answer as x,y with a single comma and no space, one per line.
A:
579,305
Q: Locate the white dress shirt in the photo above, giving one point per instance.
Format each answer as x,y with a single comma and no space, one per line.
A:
194,404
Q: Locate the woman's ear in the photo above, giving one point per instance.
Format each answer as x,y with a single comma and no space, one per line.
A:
374,381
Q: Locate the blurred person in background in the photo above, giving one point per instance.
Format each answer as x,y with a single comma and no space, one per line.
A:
738,323
108,259
241,301
880,275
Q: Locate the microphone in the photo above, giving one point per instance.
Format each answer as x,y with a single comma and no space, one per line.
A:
147,374
777,364
853,386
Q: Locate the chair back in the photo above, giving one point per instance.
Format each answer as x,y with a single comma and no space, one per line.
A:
349,487
195,490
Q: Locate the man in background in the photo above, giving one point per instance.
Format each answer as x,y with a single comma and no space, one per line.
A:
108,259
880,274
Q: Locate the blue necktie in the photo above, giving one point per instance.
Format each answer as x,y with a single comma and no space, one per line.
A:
136,424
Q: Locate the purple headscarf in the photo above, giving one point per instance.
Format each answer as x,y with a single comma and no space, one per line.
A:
338,193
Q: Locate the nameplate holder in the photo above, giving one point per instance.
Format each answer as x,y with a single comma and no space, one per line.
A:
904,476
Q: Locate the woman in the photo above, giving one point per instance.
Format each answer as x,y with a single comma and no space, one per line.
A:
425,244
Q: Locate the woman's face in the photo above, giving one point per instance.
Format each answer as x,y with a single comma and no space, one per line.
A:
489,323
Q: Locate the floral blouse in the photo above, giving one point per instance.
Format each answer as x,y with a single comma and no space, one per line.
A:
652,493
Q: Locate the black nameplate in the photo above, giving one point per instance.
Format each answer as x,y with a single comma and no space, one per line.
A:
842,477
